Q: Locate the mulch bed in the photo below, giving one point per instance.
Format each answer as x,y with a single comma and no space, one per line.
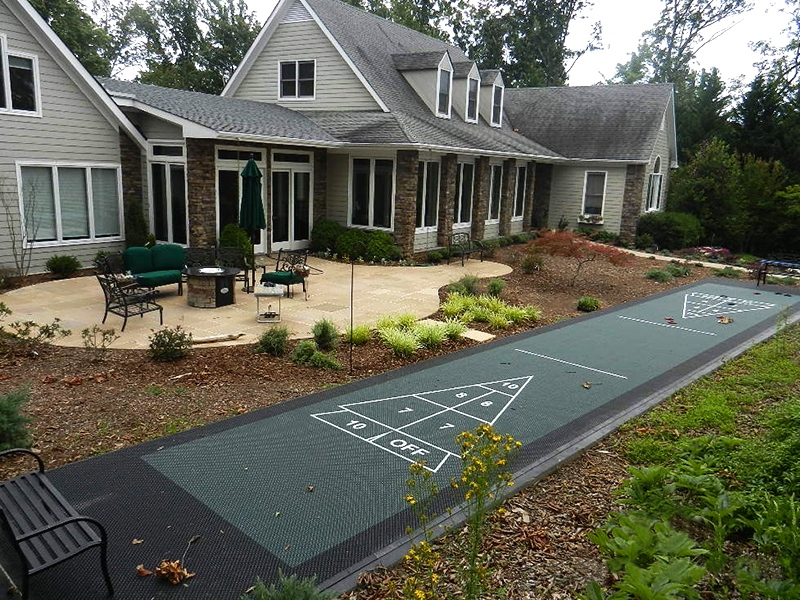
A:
81,407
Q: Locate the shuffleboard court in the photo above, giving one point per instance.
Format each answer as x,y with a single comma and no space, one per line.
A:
316,485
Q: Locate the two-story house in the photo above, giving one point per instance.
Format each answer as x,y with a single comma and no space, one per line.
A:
357,119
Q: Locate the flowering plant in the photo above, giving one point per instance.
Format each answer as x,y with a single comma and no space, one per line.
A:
593,219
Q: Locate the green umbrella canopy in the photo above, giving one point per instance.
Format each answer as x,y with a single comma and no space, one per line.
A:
251,212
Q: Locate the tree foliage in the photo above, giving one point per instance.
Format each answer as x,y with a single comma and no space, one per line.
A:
578,248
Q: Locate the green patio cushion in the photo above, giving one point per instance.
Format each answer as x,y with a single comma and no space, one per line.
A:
281,278
138,259
157,278
167,257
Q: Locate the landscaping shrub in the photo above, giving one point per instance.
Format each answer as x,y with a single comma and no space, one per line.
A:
519,238
434,257
498,321
605,237
588,304
467,285
657,275
380,247
480,314
454,329
406,321
644,241
99,259
580,250
430,335
325,335
97,340
491,303
489,248
505,241
273,341
288,588
13,425
533,261
456,304
495,287
150,240
359,335
233,236
170,344
402,343
324,235
727,272
324,361
62,265
135,223
347,241
532,314
23,337
515,314
671,230
678,270
303,351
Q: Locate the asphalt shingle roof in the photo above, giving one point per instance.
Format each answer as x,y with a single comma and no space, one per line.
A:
616,122
414,61
227,115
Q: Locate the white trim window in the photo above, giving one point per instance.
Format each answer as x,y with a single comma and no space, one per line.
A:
495,193
654,187
473,97
64,204
169,210
519,193
498,91
594,193
371,193
427,195
444,91
297,79
19,82
465,184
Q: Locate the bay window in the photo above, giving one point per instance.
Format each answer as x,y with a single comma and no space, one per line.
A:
70,203
372,192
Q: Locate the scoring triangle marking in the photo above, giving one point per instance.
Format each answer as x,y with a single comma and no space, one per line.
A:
697,305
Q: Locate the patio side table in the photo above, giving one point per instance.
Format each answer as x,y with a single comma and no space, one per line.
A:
267,291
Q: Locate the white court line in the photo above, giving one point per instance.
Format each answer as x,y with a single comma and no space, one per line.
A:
448,409
667,325
514,397
571,363
724,301
498,391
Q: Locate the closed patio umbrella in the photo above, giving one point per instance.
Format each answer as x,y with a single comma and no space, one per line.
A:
251,212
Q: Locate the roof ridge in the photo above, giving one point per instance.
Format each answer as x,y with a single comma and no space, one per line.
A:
602,86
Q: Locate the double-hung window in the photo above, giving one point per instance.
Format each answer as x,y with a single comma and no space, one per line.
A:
19,81
519,195
473,89
372,192
594,192
297,79
462,209
497,105
443,95
495,193
70,203
654,187
427,195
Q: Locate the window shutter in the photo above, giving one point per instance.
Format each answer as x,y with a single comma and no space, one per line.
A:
105,202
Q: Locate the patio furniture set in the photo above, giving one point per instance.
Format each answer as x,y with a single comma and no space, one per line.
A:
130,278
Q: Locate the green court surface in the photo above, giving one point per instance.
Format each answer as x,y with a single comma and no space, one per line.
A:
249,477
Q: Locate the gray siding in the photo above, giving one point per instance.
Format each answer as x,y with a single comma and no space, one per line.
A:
425,241
566,197
71,129
154,128
491,231
338,181
516,226
337,87
424,84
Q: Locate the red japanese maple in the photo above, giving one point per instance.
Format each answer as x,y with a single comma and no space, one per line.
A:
578,248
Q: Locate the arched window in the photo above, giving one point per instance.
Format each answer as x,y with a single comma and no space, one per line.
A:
654,186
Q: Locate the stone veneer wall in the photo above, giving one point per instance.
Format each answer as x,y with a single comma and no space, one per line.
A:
201,183
541,195
447,194
130,155
480,198
632,201
530,186
320,184
405,200
507,196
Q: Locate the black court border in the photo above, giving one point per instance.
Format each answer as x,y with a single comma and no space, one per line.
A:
537,458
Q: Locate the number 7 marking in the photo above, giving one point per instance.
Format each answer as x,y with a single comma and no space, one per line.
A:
447,426
406,409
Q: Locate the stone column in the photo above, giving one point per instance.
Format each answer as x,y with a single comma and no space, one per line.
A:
480,197
320,184
541,195
405,200
200,178
133,196
632,201
447,195
530,185
507,196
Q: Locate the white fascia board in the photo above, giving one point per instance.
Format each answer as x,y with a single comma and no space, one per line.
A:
446,63
267,139
95,92
673,131
190,128
475,73
274,19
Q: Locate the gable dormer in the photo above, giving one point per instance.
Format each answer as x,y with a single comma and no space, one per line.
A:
492,94
430,74
467,91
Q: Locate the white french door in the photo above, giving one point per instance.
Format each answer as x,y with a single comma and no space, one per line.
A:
292,206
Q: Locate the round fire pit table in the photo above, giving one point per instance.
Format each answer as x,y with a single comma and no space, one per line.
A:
210,287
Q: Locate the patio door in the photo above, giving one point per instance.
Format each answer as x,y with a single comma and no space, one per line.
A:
169,216
230,161
292,202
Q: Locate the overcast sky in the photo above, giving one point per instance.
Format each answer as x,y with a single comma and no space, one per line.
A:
624,21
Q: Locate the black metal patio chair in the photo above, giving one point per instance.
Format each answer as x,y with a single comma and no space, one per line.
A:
127,301
234,257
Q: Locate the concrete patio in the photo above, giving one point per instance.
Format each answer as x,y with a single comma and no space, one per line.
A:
379,291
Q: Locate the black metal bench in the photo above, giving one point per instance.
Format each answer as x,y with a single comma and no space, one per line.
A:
463,245
44,528
778,263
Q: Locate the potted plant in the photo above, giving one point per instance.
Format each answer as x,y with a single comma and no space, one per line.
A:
590,219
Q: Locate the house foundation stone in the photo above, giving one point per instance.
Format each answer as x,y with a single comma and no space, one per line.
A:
507,196
530,186
405,200
447,194
541,195
480,201
632,201
201,177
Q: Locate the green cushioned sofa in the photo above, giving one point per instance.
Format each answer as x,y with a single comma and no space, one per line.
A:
162,264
